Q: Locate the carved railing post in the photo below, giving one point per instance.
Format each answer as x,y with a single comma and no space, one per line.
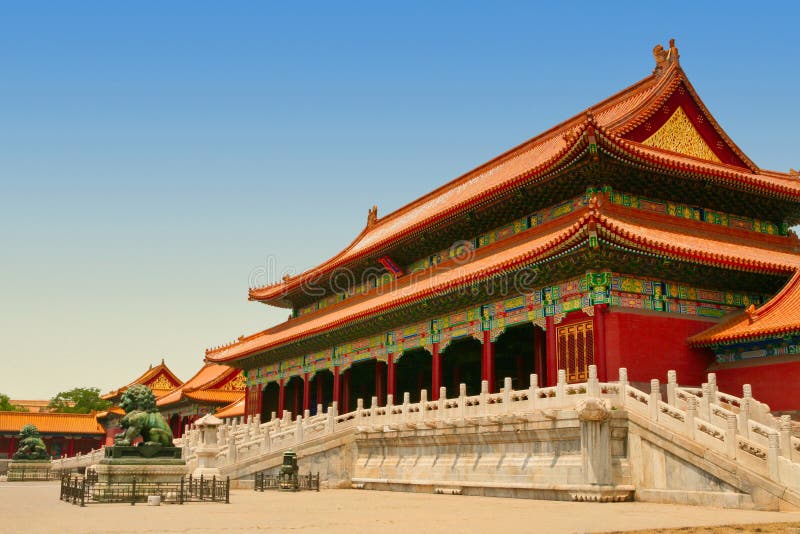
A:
691,413
672,385
772,456
623,385
442,401
592,384
507,395
746,411
298,430
533,391
712,387
561,386
484,398
462,401
332,417
785,429
406,402
743,418
423,404
730,435
265,441
655,397
705,400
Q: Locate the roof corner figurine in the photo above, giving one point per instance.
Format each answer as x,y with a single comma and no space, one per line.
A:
372,216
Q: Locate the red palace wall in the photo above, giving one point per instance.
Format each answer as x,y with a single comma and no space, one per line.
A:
774,382
649,344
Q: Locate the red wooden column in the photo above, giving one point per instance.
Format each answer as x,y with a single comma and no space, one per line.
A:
391,380
71,448
12,444
281,398
346,392
492,378
380,387
259,396
337,387
539,344
488,360
436,372
599,327
247,408
306,392
552,361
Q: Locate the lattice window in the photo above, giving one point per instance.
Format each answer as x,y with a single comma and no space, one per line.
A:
575,350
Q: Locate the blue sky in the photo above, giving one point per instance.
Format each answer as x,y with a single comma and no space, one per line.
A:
154,154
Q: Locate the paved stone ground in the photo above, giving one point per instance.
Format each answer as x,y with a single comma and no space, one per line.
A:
33,507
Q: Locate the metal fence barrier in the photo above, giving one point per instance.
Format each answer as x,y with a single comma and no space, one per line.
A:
83,490
265,481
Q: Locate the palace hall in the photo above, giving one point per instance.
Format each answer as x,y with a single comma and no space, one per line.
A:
635,234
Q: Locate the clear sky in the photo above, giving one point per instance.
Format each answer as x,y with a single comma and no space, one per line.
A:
153,155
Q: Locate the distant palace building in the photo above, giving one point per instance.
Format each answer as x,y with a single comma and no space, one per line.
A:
212,388
160,379
64,434
621,237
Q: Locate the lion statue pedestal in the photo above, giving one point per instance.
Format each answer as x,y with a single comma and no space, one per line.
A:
31,461
155,458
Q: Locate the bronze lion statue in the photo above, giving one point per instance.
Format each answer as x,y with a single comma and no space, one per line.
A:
31,446
142,419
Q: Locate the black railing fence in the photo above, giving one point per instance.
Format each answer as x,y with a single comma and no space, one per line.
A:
23,474
85,490
265,481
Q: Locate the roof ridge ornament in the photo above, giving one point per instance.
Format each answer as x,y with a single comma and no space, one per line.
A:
794,173
372,217
665,57
752,316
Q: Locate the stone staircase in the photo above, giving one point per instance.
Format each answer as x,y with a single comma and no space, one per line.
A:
601,441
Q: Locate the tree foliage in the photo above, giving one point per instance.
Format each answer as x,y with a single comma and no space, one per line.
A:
78,400
6,406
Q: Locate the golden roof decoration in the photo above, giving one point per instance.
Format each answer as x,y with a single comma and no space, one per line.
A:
161,383
678,134
237,384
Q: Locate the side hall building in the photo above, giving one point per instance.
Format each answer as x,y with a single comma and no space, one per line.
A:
616,239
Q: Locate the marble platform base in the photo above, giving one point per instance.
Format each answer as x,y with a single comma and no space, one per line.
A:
22,470
551,492
116,473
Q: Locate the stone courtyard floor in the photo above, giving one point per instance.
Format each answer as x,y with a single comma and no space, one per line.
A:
33,507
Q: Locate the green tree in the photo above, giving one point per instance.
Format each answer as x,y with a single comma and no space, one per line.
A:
78,400
6,406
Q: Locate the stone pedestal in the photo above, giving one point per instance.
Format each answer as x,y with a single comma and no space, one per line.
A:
22,470
115,473
207,447
147,464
